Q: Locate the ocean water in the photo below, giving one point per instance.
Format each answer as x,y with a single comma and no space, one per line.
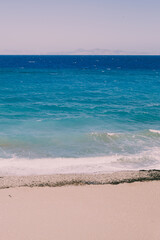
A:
79,114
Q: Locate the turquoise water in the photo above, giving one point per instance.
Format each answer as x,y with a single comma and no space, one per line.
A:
74,114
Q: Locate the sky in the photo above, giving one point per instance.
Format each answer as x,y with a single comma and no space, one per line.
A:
80,27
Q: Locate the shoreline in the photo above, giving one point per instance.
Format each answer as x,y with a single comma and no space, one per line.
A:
58,180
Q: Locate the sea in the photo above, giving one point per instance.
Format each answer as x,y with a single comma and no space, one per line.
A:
79,114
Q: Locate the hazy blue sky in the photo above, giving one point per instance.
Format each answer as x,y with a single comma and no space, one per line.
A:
49,26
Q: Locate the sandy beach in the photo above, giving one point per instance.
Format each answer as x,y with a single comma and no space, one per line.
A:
97,212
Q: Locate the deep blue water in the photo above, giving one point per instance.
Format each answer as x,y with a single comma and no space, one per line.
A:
79,113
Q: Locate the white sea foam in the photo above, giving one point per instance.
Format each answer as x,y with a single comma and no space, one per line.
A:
31,61
154,131
153,104
104,133
112,134
23,166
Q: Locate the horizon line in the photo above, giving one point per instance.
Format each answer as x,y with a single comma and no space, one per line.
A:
79,54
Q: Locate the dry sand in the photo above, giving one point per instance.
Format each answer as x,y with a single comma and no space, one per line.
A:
129,211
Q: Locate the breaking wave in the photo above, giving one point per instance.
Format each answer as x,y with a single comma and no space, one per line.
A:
24,166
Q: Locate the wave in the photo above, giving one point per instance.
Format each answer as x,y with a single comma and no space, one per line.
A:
100,164
104,134
31,61
145,133
154,131
69,144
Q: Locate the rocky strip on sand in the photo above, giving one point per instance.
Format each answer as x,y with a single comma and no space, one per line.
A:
58,180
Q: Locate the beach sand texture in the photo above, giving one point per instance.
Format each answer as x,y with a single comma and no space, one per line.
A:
104,212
